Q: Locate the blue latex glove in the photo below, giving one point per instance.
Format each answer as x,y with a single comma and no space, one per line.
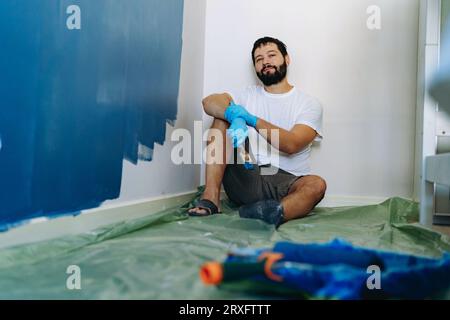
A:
236,111
238,132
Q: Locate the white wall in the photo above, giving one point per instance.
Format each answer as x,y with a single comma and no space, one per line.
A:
442,192
160,176
366,80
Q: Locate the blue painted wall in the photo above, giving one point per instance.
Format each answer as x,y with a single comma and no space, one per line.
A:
75,103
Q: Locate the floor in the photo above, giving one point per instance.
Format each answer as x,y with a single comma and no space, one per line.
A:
442,229
159,256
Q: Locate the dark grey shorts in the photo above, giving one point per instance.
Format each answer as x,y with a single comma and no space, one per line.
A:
244,186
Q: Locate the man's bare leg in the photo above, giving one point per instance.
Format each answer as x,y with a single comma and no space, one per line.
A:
303,196
215,171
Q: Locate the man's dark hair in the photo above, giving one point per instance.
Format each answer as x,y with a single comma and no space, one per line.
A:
263,41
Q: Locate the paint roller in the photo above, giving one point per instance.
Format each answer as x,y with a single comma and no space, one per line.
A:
215,273
244,151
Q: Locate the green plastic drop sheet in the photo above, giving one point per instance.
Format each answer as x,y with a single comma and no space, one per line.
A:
159,256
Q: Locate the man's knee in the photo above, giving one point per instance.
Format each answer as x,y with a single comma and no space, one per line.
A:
315,186
320,187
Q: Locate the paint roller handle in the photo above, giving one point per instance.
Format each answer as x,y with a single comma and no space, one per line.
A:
238,132
247,159
215,273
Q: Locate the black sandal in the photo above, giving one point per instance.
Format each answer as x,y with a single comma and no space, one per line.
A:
205,205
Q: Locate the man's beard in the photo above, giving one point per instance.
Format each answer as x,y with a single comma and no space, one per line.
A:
270,79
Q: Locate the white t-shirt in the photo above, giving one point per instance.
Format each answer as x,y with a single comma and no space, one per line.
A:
285,111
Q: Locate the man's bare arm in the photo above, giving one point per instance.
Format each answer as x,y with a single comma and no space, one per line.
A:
216,104
290,142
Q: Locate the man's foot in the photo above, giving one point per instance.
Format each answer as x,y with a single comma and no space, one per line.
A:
270,211
205,207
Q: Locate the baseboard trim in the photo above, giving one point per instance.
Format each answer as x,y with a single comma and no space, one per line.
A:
350,201
41,229
441,219
344,201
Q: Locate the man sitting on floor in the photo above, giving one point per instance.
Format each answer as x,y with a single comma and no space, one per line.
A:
293,191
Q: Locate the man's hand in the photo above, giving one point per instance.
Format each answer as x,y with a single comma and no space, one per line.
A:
238,132
236,111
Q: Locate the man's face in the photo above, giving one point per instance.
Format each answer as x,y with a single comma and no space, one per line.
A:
270,65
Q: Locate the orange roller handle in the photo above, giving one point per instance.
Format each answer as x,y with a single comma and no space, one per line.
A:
215,273
270,259
211,273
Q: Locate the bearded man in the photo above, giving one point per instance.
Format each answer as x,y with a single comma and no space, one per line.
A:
291,191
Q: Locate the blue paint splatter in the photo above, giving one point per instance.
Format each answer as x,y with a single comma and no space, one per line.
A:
75,103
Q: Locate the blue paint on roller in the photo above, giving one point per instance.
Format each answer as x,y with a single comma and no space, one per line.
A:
339,270
75,103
